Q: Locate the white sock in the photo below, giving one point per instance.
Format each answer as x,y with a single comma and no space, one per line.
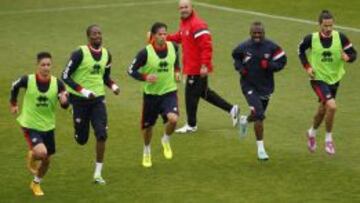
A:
98,168
328,137
37,179
165,138
147,149
312,132
260,145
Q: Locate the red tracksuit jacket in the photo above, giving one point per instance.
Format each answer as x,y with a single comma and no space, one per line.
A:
196,44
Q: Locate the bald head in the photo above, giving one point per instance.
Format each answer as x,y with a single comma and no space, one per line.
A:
185,8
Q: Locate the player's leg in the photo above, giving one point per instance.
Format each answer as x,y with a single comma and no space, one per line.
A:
329,119
81,119
147,135
149,116
170,114
257,115
98,119
39,153
49,144
213,98
31,162
323,92
192,97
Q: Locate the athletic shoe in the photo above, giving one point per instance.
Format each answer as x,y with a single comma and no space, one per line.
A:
262,156
147,160
35,187
235,115
329,147
167,150
99,180
32,164
243,126
186,129
311,143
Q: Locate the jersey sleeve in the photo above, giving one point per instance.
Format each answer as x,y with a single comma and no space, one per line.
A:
137,63
176,37
304,45
72,65
203,39
278,58
348,47
15,87
107,79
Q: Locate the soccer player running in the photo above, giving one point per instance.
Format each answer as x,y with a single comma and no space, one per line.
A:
158,67
196,41
37,117
329,51
257,59
85,75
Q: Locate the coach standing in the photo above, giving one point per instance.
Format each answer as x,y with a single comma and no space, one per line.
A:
197,55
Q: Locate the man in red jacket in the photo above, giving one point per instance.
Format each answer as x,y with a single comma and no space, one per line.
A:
197,55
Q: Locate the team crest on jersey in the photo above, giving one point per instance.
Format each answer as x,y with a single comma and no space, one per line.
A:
163,66
327,56
96,69
42,101
267,56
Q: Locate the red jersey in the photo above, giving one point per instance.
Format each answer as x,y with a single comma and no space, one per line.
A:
196,44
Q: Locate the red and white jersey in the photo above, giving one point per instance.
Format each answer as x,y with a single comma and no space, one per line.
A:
196,41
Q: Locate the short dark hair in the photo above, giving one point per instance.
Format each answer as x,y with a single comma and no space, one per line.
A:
257,23
42,55
325,15
88,29
156,26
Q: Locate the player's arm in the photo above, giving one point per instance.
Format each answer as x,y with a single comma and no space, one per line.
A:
73,64
107,79
14,92
203,39
137,63
278,59
176,37
304,45
239,60
348,49
177,64
62,94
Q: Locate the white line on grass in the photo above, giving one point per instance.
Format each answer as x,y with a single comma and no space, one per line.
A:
223,8
99,6
236,10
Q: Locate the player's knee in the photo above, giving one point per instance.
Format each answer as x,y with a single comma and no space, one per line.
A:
172,118
257,115
331,105
40,154
81,139
101,137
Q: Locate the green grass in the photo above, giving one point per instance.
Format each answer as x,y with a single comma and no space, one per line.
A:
213,165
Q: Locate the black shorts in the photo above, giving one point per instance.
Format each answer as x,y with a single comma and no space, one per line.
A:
86,112
155,105
257,103
324,91
35,137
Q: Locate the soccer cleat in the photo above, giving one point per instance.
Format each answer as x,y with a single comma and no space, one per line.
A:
35,187
186,129
147,161
329,147
32,164
235,115
243,126
99,180
311,143
262,156
167,150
